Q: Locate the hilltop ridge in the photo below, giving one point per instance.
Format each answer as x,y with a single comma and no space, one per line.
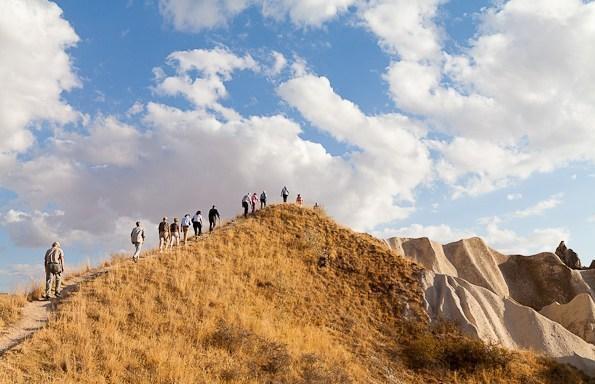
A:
285,296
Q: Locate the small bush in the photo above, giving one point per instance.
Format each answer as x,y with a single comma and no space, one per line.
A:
454,352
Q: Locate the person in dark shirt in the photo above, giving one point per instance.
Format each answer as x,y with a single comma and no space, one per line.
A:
213,216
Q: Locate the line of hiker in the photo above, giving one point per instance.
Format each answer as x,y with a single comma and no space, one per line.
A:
249,201
170,235
173,234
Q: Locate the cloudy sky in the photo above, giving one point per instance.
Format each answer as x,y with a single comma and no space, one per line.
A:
435,118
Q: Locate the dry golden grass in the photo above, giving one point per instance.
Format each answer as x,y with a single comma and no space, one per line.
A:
286,296
10,309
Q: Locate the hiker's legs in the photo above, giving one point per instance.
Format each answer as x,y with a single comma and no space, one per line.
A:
137,247
185,231
58,277
253,207
48,281
211,225
245,205
162,243
285,198
195,226
199,229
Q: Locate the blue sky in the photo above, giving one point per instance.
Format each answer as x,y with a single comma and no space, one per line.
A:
431,118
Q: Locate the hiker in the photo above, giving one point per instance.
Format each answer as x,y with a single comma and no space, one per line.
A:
285,194
245,204
174,232
263,200
54,266
316,206
163,234
186,221
299,201
137,236
213,216
253,201
197,224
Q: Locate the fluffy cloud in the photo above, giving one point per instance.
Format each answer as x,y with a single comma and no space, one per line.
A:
441,233
34,70
508,241
304,13
214,66
405,27
109,174
390,154
540,207
492,231
526,109
194,15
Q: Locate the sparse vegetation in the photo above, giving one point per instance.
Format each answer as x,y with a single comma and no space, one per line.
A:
252,303
10,309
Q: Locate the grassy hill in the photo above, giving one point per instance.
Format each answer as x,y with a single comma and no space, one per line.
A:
286,296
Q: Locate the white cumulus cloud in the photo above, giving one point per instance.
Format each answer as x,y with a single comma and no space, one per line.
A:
194,15
34,71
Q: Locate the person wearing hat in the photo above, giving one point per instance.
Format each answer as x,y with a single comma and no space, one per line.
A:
137,237
163,234
174,232
54,266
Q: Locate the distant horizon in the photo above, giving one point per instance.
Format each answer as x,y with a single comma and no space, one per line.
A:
444,119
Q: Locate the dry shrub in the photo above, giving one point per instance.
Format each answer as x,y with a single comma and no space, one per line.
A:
316,371
561,373
444,347
35,292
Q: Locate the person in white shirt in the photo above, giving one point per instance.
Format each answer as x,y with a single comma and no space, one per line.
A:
137,237
285,194
246,204
186,222
197,224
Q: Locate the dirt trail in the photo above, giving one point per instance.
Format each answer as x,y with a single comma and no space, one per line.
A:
35,314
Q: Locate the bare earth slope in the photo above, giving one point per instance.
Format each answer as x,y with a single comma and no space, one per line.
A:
535,281
481,313
539,280
496,297
578,316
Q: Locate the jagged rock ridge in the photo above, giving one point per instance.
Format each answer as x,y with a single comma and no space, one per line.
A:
497,297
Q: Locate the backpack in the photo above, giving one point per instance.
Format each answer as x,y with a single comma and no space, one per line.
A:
163,227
